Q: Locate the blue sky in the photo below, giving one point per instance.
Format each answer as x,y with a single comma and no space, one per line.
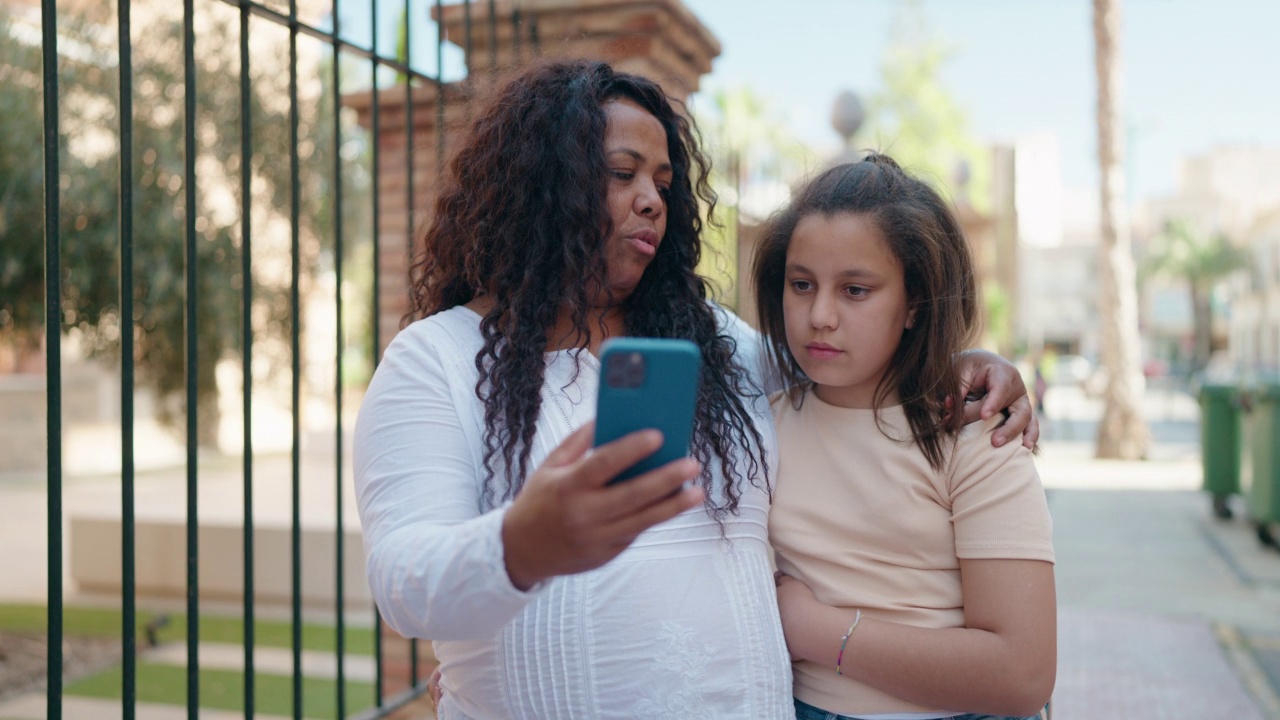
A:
1198,73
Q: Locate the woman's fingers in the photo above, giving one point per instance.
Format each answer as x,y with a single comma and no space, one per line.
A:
628,527
572,447
607,461
629,497
1000,388
1003,385
1021,420
568,519
985,373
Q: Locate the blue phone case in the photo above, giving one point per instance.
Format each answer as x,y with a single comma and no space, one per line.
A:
663,396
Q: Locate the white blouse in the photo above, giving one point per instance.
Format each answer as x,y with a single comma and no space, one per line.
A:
683,624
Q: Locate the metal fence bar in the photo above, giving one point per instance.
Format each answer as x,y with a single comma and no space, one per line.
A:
339,544
128,575
469,46
408,233
439,92
192,360
53,352
295,311
126,204
376,319
493,36
515,35
246,365
329,37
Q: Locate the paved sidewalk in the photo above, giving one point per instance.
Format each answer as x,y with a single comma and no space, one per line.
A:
1129,665
213,656
30,707
1164,611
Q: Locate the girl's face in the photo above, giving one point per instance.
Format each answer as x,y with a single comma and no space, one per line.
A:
844,305
635,146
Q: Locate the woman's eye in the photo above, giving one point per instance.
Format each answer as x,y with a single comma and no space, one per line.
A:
801,285
624,175
856,291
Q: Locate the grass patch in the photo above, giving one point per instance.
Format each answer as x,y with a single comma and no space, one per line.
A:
107,622
224,690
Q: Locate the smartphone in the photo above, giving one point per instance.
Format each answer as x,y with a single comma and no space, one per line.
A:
648,383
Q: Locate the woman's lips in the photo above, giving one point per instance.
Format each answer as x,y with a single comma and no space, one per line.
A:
645,241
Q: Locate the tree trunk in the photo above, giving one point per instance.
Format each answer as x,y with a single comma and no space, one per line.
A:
1202,326
1122,433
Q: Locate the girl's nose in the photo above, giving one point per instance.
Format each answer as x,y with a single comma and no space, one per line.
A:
822,313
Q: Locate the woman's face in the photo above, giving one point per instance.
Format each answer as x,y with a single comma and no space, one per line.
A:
635,147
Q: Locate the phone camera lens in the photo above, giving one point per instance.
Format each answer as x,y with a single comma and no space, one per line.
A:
625,370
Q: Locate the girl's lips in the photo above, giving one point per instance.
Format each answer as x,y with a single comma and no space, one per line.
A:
821,351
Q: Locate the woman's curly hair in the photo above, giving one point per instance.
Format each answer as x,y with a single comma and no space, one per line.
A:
524,222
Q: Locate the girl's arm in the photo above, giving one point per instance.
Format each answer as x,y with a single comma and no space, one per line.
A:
1003,662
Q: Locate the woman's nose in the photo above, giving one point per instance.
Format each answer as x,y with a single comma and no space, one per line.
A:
649,200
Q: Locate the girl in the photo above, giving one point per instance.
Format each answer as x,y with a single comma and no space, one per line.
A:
916,564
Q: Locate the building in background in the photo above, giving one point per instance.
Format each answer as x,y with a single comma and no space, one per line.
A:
1057,240
1228,190
1253,327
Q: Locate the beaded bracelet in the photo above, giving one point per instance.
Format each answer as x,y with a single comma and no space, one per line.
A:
857,617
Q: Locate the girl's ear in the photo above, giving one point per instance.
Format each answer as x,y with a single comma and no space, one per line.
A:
911,317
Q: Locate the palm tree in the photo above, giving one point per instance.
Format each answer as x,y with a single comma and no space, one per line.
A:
1122,433
1201,260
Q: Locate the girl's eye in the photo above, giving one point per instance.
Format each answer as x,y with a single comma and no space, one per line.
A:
801,285
856,291
623,175
664,191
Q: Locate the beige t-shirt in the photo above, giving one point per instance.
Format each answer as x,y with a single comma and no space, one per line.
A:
867,523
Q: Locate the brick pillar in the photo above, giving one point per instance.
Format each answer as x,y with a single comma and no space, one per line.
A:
395,228
660,39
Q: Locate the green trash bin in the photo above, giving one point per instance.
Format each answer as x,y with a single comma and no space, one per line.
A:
1220,444
1264,458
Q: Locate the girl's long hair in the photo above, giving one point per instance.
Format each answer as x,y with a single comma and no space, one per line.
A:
524,221
925,236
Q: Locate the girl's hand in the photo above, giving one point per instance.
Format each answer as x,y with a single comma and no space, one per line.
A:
567,519
999,387
794,599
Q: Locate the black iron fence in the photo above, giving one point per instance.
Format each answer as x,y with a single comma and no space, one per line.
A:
326,220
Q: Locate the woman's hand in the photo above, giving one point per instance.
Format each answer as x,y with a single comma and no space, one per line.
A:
434,690
999,387
567,519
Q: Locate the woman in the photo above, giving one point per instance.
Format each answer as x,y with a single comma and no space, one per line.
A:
574,216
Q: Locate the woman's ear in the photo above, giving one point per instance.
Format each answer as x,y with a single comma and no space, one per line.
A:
911,317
